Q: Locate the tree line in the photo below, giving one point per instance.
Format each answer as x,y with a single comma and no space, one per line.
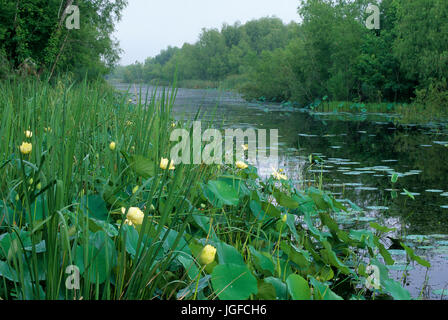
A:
329,53
34,38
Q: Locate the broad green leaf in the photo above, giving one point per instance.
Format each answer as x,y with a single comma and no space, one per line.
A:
256,210
194,287
414,257
383,251
94,206
396,290
298,287
182,252
329,255
204,223
7,272
262,261
142,166
233,282
285,201
228,254
322,291
280,288
266,291
270,210
381,228
224,192
100,258
300,258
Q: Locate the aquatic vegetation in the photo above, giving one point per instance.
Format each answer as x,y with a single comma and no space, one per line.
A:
131,225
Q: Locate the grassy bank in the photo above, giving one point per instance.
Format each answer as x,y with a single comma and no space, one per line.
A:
84,187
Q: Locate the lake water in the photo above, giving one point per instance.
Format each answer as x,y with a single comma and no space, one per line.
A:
360,153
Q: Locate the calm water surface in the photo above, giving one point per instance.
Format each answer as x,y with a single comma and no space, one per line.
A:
360,153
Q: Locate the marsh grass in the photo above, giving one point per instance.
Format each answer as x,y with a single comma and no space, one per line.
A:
47,192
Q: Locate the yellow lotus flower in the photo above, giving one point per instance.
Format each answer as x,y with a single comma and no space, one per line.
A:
47,129
135,215
26,148
245,147
241,165
277,175
285,217
28,134
164,164
207,255
112,146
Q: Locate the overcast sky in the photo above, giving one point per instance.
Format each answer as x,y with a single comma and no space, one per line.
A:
148,26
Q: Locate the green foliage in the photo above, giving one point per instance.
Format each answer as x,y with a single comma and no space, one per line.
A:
336,55
331,53
35,41
217,55
79,215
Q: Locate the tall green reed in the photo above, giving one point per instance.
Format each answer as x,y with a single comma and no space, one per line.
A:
72,127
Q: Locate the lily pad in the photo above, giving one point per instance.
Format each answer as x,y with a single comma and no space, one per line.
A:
233,282
400,267
377,208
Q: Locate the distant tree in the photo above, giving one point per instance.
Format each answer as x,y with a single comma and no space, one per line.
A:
34,31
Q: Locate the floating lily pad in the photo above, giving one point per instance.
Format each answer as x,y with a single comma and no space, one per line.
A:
381,168
352,173
397,252
400,267
410,193
416,237
426,247
377,208
366,219
439,236
307,135
366,188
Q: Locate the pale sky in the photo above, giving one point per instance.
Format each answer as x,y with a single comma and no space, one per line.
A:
148,26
